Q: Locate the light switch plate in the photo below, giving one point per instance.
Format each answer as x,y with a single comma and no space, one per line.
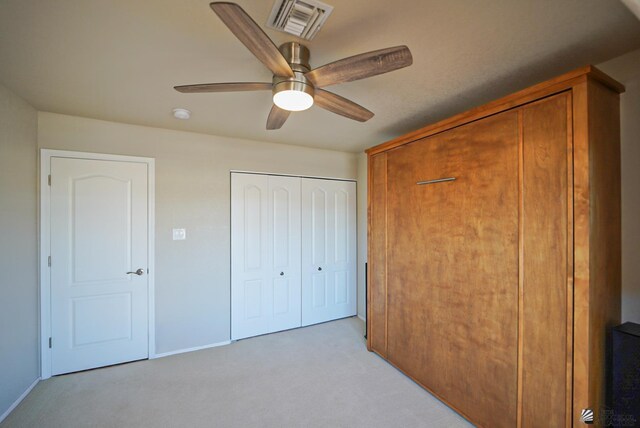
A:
179,234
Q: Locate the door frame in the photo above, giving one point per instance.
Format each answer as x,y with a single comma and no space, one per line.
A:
277,174
44,234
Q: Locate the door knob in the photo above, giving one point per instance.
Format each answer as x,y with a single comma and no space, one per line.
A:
319,268
281,273
139,272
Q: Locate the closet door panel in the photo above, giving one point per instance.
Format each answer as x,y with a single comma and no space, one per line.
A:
344,241
265,254
546,356
329,250
251,290
452,260
316,239
284,252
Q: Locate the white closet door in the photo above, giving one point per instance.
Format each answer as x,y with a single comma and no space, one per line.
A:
285,251
265,254
328,250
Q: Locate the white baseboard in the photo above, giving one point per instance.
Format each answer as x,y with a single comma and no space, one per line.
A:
19,400
362,318
196,348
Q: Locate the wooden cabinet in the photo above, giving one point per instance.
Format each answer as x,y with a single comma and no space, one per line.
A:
494,253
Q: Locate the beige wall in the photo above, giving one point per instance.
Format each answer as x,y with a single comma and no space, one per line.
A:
192,192
19,365
625,69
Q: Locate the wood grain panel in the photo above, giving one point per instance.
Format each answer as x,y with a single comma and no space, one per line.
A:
605,234
597,236
520,263
377,286
545,276
581,226
570,264
453,266
597,240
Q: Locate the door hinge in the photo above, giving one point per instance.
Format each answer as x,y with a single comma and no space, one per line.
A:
49,261
49,343
49,179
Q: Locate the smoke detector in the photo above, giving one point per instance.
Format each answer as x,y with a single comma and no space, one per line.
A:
302,18
181,113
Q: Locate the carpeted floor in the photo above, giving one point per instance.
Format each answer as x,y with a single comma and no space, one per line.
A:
319,376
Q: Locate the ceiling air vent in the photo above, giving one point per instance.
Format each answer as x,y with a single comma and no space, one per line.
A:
301,18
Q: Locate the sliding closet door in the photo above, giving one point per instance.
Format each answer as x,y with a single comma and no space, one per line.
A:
265,254
328,250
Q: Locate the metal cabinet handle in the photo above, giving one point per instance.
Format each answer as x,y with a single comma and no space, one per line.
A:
139,272
437,180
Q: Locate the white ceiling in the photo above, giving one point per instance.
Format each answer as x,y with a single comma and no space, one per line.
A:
119,59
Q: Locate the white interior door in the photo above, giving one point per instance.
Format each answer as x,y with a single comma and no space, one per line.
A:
265,254
328,250
99,312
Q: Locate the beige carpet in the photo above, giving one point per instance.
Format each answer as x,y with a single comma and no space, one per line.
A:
319,376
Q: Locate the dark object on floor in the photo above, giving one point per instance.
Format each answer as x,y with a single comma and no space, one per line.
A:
366,291
626,375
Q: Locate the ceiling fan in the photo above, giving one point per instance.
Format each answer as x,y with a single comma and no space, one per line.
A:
295,86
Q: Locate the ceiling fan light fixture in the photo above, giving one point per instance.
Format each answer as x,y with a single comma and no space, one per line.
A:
294,83
293,95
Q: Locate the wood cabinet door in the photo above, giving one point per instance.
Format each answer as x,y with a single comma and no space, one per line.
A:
452,266
377,255
547,267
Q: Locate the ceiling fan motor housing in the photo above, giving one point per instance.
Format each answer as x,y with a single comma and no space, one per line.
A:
297,56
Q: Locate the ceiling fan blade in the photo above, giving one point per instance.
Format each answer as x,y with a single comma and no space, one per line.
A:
361,66
223,87
342,106
252,36
277,117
